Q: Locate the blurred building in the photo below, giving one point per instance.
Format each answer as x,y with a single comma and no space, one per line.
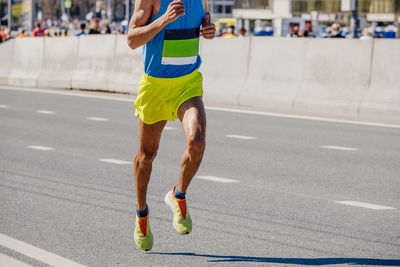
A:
221,8
279,14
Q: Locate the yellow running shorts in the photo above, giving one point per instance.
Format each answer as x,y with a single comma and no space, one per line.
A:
160,98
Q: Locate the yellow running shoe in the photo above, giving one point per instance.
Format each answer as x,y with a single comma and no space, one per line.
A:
182,221
143,236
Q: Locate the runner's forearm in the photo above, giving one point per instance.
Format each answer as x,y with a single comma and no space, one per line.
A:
138,36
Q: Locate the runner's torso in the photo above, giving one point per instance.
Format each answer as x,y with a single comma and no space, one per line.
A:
173,52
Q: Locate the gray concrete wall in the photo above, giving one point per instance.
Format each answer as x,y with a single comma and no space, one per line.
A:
337,78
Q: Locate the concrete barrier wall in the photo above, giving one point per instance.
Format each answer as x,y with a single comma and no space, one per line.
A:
275,73
59,62
95,56
27,62
383,98
126,68
225,68
7,56
336,76
350,78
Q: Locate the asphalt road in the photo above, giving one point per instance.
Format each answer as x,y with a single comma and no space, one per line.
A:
64,197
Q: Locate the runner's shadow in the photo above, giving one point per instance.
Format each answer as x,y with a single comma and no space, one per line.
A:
297,261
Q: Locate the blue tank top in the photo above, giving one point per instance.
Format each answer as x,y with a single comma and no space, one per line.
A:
173,52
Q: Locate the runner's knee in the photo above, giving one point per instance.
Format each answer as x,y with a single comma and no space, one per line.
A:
197,146
147,155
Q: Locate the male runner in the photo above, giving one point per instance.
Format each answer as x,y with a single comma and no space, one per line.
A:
171,88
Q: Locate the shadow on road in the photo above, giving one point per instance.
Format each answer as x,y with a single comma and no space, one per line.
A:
298,261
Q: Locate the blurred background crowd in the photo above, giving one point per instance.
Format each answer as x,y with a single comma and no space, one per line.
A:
363,19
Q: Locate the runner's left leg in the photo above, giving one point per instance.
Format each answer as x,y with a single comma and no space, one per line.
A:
193,119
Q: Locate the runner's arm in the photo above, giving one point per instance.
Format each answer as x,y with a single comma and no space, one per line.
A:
208,28
139,33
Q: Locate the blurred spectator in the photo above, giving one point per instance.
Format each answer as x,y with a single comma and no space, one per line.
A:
121,30
335,31
108,29
38,31
22,33
302,33
94,27
230,32
64,33
47,33
366,35
379,35
242,32
83,28
3,33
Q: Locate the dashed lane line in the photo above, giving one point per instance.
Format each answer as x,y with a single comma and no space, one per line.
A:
47,112
217,179
169,128
36,253
364,205
42,148
244,137
11,262
97,119
340,148
116,161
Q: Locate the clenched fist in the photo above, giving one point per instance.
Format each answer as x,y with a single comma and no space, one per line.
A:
207,28
174,11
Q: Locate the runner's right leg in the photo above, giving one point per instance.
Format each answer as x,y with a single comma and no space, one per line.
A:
149,140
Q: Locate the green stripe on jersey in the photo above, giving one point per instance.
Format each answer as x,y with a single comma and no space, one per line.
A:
181,48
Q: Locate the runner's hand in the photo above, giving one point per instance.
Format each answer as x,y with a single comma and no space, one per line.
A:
207,28
174,11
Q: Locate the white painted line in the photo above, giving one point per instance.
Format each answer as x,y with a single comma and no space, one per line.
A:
268,114
7,261
217,179
240,137
48,112
36,253
116,161
96,119
43,148
4,106
300,117
365,205
340,148
169,128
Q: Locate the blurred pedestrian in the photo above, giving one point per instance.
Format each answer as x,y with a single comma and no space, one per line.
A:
38,31
230,32
64,32
335,31
22,33
242,32
366,35
3,33
94,27
83,28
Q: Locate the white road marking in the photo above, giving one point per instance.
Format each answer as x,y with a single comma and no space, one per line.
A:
340,148
231,110
36,253
240,137
43,148
48,112
169,128
365,205
217,179
7,261
4,106
116,161
96,119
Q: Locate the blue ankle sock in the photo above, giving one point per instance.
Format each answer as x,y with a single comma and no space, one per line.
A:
178,194
142,213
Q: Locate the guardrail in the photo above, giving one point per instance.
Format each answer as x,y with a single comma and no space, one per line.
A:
313,76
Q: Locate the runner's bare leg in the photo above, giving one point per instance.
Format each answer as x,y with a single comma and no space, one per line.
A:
149,140
193,119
